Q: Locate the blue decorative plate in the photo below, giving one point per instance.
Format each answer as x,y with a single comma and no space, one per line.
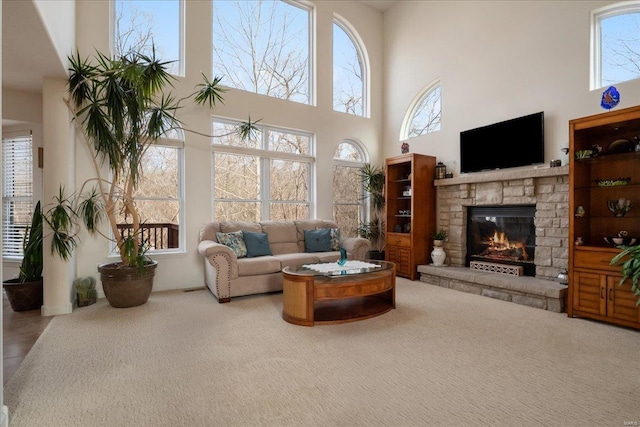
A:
610,98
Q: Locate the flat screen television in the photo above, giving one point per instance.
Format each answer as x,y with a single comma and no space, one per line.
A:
508,144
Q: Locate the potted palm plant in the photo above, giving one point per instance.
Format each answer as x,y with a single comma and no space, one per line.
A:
121,107
373,181
25,292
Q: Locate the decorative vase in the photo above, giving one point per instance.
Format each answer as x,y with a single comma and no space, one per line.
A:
126,286
438,256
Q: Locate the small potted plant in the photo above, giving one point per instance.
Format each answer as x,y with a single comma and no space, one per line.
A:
439,237
25,292
373,180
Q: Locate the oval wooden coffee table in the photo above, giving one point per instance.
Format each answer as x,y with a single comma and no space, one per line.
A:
311,297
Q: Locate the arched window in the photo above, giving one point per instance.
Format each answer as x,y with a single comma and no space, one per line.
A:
615,42
424,114
349,71
348,198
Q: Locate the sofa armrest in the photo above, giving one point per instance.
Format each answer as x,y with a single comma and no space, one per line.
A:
356,246
221,266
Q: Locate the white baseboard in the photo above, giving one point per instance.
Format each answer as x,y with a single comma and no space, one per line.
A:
4,417
48,310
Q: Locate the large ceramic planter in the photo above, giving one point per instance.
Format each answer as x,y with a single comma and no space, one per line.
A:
23,296
126,286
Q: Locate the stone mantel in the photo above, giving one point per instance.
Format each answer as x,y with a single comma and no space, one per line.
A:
546,188
503,175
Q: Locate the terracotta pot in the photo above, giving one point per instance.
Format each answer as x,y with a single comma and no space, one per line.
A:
23,296
126,286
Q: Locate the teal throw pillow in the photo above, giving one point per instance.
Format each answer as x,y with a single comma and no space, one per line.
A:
257,244
235,241
317,240
335,239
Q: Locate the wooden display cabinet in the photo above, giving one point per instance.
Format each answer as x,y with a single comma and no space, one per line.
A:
593,287
410,211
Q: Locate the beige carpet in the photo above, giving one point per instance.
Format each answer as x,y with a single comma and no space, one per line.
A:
441,358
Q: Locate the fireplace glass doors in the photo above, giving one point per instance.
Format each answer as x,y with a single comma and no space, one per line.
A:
502,235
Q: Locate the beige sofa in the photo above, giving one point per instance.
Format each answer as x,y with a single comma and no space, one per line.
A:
228,276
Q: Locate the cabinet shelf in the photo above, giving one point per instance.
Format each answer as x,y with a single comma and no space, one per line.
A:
610,157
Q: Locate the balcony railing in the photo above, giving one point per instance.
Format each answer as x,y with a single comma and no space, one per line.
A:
159,235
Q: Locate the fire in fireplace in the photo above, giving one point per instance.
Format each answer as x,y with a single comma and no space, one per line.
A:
502,235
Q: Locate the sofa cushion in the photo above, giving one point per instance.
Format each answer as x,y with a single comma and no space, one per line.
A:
257,244
328,256
335,239
208,231
282,236
301,226
229,226
258,265
235,241
317,240
298,258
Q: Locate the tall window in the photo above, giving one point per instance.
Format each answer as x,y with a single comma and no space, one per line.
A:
159,196
615,32
425,115
17,193
348,197
140,25
265,177
348,73
263,47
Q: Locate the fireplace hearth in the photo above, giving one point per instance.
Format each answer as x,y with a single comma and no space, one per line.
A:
502,234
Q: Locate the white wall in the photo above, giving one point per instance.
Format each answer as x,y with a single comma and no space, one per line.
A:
496,60
186,270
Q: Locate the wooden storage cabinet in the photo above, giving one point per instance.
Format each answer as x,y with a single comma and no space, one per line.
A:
599,296
593,287
410,214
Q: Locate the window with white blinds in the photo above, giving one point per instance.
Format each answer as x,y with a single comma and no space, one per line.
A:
17,193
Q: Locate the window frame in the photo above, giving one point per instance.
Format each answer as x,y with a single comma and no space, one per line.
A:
310,8
363,59
181,34
179,145
363,204
264,157
413,109
597,16
16,246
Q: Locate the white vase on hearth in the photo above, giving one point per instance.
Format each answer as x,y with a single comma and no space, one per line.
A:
438,255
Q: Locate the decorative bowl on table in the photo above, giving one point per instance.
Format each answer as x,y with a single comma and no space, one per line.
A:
619,207
621,241
612,182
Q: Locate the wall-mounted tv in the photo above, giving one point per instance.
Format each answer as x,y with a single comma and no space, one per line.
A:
508,144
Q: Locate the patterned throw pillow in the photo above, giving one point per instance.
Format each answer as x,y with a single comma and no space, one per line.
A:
335,239
257,244
318,240
235,240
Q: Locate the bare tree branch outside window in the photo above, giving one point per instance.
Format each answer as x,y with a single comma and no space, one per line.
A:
262,47
141,25
426,118
348,82
620,48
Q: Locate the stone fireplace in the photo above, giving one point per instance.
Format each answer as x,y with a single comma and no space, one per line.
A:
545,192
503,235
